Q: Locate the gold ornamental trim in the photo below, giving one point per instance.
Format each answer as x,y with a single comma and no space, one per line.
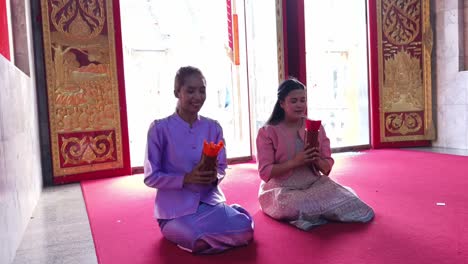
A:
427,41
280,40
403,123
87,149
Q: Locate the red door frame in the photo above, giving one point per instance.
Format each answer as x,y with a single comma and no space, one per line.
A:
126,169
294,39
374,96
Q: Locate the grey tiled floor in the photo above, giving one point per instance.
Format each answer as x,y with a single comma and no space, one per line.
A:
59,231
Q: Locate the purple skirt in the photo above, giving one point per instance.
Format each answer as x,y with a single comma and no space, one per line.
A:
212,229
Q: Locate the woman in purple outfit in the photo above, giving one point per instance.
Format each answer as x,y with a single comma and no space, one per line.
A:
295,185
189,205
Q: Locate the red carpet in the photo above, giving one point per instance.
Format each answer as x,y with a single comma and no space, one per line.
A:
403,187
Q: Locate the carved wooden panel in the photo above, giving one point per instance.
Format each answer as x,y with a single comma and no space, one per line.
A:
404,47
82,85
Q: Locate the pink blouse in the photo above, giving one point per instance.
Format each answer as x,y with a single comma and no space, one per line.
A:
276,144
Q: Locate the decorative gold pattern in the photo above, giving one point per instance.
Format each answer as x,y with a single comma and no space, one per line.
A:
403,123
404,53
83,90
280,40
403,84
87,149
78,18
401,20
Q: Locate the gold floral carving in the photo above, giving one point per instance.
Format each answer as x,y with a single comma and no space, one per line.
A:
78,18
401,20
403,123
403,87
87,149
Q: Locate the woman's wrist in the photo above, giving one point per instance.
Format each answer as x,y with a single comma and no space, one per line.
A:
323,166
293,164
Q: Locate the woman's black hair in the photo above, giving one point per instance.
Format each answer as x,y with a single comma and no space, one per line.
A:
283,90
182,75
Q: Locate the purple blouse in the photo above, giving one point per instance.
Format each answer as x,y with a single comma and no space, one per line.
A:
173,149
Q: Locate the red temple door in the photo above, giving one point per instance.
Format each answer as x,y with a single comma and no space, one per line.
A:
400,38
85,87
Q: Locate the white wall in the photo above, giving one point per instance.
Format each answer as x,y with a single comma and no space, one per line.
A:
20,168
451,84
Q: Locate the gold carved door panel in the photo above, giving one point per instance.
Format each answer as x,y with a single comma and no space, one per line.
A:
404,57
88,132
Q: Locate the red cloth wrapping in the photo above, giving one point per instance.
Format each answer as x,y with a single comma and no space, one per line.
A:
311,133
210,155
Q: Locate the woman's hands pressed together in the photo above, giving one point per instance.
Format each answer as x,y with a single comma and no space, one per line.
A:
200,177
310,155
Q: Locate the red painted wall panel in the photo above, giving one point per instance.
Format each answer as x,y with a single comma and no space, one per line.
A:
4,37
294,44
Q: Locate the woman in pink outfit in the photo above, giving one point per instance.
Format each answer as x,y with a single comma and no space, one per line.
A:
295,184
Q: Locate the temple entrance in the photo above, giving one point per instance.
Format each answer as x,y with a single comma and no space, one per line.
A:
159,37
337,71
